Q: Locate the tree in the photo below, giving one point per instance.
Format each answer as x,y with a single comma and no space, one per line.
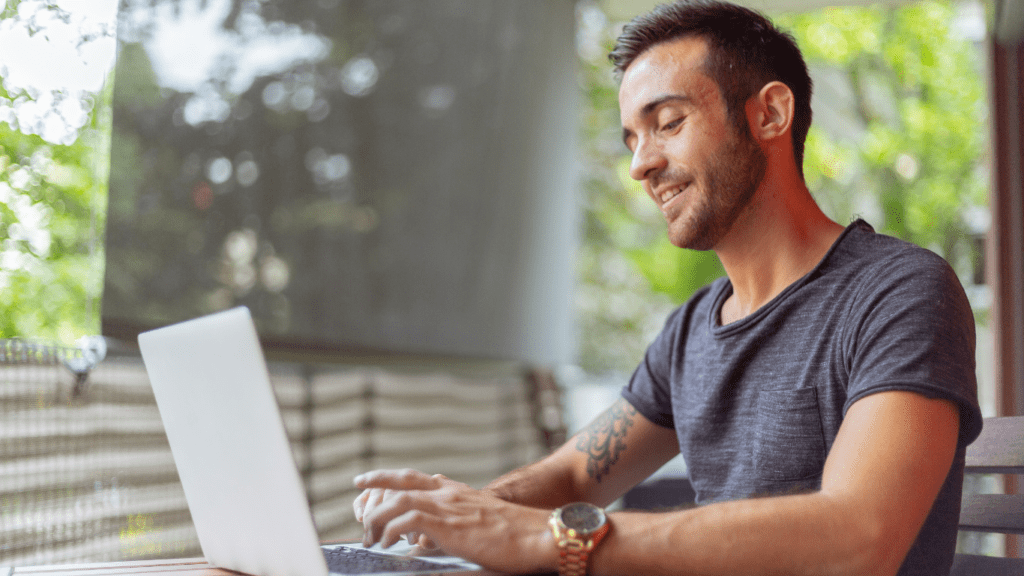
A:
54,146
915,161
899,140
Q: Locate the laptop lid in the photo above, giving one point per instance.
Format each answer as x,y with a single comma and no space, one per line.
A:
228,440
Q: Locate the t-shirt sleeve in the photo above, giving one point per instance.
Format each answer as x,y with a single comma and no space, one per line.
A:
915,332
649,388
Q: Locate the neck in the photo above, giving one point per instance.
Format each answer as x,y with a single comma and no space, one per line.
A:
779,238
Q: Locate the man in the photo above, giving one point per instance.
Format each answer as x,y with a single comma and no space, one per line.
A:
822,394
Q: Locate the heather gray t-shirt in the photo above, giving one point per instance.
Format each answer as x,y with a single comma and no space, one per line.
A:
756,404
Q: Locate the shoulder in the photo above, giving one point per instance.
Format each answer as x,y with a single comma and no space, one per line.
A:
878,266
860,242
910,327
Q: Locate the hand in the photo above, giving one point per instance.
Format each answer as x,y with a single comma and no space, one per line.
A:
464,522
370,498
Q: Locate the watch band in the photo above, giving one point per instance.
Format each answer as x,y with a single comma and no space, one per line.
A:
573,548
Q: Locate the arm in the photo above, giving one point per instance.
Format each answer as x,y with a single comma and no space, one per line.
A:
615,452
885,469
892,453
619,449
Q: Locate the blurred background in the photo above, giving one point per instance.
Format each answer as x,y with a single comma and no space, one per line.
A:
285,156
413,198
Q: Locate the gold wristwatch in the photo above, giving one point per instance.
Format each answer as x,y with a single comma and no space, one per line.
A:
578,528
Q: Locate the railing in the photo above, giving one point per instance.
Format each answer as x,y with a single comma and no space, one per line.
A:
86,473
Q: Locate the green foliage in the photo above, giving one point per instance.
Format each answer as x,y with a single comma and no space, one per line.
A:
914,166
917,163
11,10
52,213
907,154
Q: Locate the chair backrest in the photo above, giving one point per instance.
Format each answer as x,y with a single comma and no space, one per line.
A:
999,450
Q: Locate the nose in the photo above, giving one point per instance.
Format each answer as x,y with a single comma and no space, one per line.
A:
647,161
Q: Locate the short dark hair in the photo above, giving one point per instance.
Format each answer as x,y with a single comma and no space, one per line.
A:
745,52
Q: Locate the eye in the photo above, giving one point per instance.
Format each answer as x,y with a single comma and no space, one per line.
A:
673,124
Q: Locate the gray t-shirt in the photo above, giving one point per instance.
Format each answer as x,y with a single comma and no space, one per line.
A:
756,404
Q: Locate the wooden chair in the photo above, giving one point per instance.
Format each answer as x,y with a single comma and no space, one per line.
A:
999,450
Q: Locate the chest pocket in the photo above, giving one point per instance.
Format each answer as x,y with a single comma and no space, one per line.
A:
789,443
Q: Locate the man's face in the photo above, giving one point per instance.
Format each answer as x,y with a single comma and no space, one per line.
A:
686,152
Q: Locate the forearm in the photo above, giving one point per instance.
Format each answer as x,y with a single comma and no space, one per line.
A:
804,534
615,452
543,484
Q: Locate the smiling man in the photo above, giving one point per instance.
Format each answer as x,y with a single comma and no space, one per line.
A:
822,393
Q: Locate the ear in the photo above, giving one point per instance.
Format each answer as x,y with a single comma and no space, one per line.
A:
770,111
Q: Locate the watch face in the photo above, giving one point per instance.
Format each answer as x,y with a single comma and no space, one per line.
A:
582,517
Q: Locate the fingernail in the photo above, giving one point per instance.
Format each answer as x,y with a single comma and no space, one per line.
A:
357,479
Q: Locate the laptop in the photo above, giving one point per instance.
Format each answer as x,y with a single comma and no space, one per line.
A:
229,444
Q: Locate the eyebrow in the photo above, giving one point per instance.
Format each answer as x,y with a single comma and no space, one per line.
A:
653,105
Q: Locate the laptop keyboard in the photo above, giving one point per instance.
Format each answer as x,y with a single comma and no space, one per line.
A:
345,560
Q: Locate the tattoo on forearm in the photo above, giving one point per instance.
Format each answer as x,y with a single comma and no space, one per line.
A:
605,439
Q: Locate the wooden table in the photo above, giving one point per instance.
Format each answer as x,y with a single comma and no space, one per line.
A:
177,567
174,567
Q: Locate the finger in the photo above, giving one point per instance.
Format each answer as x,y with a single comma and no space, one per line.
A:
424,541
412,520
375,516
377,495
359,504
421,540
404,479
374,498
400,503
443,480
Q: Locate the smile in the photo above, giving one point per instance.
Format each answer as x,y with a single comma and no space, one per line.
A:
670,193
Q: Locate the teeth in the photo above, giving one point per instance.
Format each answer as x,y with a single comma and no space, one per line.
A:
670,194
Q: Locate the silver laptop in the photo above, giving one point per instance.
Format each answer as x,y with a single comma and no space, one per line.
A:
229,444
